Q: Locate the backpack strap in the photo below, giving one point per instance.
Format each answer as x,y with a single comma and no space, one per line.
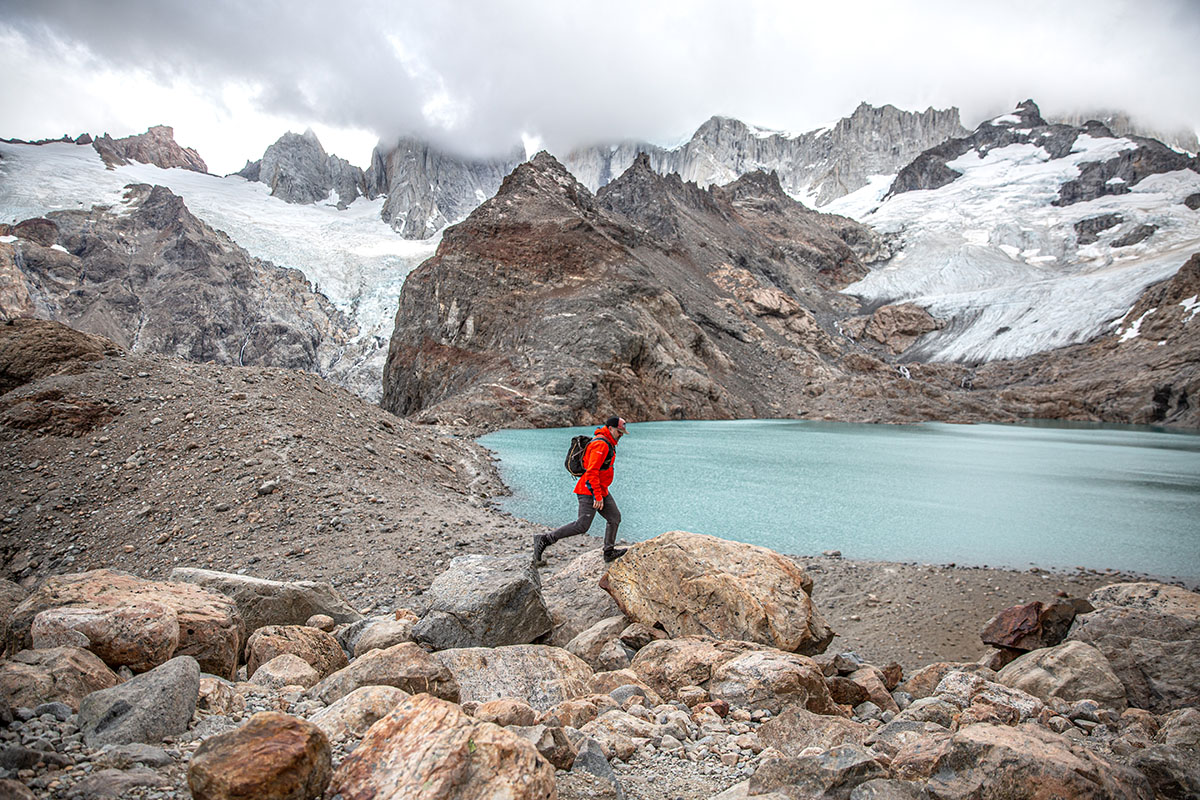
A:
609,458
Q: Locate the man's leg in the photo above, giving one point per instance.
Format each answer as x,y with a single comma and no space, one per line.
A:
580,525
612,518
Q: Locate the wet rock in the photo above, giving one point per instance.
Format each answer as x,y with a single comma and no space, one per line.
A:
351,716
317,648
272,757
692,584
484,601
139,636
405,666
772,680
430,746
61,674
145,708
1070,671
539,675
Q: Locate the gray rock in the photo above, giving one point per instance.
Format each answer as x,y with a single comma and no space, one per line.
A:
831,774
623,693
145,708
298,170
14,757
889,789
1173,772
590,758
115,784
60,711
484,601
1071,671
126,755
574,598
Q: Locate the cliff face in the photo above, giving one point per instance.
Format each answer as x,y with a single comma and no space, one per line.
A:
153,278
156,146
298,170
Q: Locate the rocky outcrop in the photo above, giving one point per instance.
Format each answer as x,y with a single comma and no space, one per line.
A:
298,170
156,146
1122,124
154,278
33,348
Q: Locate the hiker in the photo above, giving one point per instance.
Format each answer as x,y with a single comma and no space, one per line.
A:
592,492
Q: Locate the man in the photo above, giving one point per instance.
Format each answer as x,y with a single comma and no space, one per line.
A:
592,493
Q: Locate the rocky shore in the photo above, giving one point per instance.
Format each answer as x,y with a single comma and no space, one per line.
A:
204,562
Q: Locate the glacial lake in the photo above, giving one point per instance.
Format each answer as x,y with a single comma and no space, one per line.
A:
1052,495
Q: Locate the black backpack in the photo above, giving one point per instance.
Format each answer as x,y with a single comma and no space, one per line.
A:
574,462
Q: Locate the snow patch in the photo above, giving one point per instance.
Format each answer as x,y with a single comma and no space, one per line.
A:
1005,119
58,247
1190,307
1132,331
1116,180
7,239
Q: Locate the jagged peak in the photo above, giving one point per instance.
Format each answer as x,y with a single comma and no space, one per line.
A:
758,183
545,174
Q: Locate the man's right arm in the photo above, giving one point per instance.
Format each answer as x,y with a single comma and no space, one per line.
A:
593,459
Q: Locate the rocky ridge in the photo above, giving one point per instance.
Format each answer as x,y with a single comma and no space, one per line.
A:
298,170
156,146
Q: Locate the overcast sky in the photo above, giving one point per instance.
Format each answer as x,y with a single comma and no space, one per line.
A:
232,75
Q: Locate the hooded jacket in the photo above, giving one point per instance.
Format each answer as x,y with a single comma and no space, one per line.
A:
595,481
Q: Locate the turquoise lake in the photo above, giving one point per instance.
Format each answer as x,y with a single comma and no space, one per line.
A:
1053,495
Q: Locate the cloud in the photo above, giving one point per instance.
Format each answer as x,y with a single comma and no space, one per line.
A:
477,77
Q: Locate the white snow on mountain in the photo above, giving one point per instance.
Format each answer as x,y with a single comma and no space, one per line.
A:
991,255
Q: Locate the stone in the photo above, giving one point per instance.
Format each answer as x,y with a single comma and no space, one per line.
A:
115,784
846,691
832,774
889,789
637,636
874,682
60,711
1026,762
693,584
1034,625
772,680
670,664
12,790
894,736
899,326
484,601
539,675
986,701
505,712
265,602
382,633
11,594
14,758
283,670
145,708
1180,729
219,696
1070,671
316,647
126,755
139,636
61,674
210,626
797,729
351,716
1150,634
574,598
272,757
590,643
405,666
924,682
931,709
1173,772
612,656
606,682
617,730
571,713
551,742
428,747
322,622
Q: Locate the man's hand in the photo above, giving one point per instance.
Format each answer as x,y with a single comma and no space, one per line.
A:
598,503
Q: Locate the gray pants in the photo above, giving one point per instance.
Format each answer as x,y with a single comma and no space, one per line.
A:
610,512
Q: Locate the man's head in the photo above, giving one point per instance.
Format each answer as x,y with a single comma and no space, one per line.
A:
616,425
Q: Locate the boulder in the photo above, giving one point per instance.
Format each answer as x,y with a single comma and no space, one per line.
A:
383,632
319,649
539,675
924,682
1173,772
986,701
590,644
139,636
606,682
846,692
931,709
617,730
405,666
145,708
1070,671
1034,625
265,602
429,748
573,713
1026,762
574,598
772,680
116,784
219,696
60,674
505,712
210,626
1150,634
875,683
351,716
797,729
484,601
889,789
830,774
552,743
272,757
900,733
696,585
285,669
670,664
1180,729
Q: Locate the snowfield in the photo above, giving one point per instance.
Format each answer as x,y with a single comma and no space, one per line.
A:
989,254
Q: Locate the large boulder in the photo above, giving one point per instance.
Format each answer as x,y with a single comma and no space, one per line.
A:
797,729
670,664
272,757
772,680
210,626
428,747
145,708
830,774
318,648
264,602
982,761
405,666
574,598
139,636
352,715
285,670
1071,671
539,675
1034,625
383,632
58,675
484,601
696,585
1150,634
982,700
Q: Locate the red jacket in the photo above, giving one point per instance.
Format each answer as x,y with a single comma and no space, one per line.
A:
596,481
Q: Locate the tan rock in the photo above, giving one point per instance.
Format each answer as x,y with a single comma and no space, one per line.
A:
1070,671
210,627
571,713
874,682
605,682
797,729
692,584
505,712
539,675
590,644
429,748
61,674
316,647
670,664
772,680
574,598
384,634
352,715
924,682
322,622
616,731
139,636
285,669
219,696
899,326
406,666
272,757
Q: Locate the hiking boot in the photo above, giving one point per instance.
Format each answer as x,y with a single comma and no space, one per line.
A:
615,553
540,543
